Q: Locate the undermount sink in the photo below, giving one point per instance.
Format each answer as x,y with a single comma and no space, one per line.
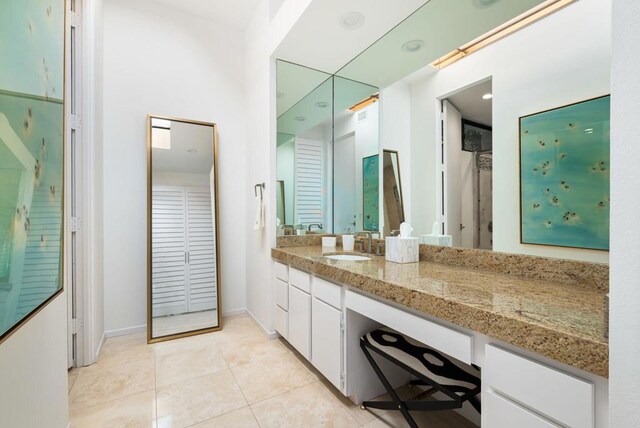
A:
348,257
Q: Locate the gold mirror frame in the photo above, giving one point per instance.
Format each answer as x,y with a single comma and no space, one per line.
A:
150,338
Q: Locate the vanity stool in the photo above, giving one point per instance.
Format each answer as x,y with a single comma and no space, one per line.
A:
459,381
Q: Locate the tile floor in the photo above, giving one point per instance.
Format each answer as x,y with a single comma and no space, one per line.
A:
232,378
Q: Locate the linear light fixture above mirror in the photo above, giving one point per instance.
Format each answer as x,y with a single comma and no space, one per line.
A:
502,31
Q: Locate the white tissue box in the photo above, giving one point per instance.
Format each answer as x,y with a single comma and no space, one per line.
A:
402,250
442,240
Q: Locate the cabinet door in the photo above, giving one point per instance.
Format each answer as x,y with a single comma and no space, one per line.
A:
326,341
498,412
300,321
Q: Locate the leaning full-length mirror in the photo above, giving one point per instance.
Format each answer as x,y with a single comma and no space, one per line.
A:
183,251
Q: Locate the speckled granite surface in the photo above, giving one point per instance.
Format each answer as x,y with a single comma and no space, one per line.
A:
561,321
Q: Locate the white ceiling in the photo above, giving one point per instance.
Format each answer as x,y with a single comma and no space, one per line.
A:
471,105
318,41
235,13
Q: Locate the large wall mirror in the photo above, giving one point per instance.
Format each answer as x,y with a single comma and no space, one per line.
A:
183,251
470,140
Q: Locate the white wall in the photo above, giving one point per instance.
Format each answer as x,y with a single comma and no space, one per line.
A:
560,60
180,179
624,340
158,60
33,374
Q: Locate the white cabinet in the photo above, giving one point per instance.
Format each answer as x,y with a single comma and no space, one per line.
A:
282,322
549,392
503,413
300,321
326,341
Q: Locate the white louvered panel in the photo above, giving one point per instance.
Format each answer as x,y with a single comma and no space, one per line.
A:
168,242
309,181
202,252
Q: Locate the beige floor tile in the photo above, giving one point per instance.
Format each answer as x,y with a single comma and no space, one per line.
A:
124,350
181,345
134,411
309,406
362,416
238,327
195,400
97,385
189,363
272,375
245,351
242,418
72,375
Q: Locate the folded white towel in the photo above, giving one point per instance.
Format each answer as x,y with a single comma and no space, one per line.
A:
259,221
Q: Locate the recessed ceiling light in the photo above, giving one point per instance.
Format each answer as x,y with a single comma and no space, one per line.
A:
352,20
589,130
192,151
300,118
487,96
483,4
322,104
279,94
413,45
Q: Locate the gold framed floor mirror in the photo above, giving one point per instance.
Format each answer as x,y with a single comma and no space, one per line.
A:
183,257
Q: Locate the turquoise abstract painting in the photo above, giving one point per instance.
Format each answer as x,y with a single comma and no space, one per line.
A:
564,176
31,157
370,193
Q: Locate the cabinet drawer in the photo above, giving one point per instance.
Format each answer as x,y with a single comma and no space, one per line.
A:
282,293
301,280
557,395
327,292
281,271
282,322
498,412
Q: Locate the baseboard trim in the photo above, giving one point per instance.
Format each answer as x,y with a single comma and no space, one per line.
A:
270,334
125,331
233,312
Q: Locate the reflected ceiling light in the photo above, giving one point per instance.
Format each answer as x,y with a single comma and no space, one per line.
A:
529,17
364,103
589,130
483,4
413,45
487,96
279,94
322,104
352,20
300,118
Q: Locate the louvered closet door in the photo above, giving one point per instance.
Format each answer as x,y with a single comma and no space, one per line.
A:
202,252
309,181
168,240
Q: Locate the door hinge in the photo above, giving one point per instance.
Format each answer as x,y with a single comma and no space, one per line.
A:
76,325
74,121
74,19
75,224
342,324
342,380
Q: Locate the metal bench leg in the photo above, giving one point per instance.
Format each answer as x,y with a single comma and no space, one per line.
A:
396,403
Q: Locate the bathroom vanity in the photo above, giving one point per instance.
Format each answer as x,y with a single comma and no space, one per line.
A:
539,340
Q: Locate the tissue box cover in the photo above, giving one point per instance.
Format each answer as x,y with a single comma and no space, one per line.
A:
402,250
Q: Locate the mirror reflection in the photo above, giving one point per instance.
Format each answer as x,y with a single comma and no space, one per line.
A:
183,251
431,122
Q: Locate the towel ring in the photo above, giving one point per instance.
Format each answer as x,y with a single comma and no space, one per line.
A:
260,186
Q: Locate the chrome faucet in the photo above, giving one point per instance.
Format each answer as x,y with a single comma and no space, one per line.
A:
319,225
369,241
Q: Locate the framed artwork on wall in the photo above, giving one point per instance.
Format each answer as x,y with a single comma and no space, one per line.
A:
31,158
564,175
370,193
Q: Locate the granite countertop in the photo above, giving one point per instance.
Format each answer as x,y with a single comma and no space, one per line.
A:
560,321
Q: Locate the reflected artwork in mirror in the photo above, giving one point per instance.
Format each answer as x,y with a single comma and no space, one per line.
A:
183,251
32,154
564,170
